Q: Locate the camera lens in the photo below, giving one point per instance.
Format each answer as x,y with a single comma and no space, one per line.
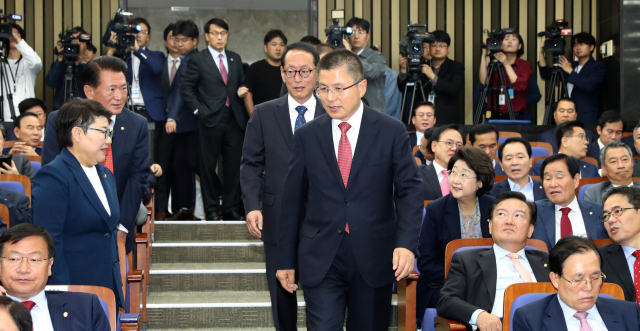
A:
416,48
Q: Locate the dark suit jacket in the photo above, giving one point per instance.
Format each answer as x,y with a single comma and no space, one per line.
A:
587,170
55,78
413,139
549,136
18,205
430,185
593,150
68,207
498,169
636,168
203,88
448,87
595,192
629,141
84,312
546,315
383,214
265,161
614,265
503,186
151,65
586,88
471,282
545,228
131,162
440,226
186,120
24,166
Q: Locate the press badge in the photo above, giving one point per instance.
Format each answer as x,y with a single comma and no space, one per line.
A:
135,92
510,93
432,97
501,100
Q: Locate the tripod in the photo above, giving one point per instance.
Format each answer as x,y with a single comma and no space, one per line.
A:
5,88
70,84
494,66
558,82
414,79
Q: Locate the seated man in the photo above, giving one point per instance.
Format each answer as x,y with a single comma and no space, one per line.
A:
444,142
617,165
20,164
473,292
636,146
423,154
565,112
576,265
563,214
630,140
18,205
36,106
424,117
515,155
621,213
28,130
610,126
485,137
27,253
572,141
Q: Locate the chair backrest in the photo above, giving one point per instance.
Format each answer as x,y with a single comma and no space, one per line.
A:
106,296
589,181
36,166
536,159
34,158
124,270
426,202
415,149
509,134
499,178
22,179
582,190
590,160
4,213
536,178
602,242
539,151
541,144
12,186
627,134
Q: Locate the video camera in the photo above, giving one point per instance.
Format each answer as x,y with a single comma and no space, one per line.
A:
555,33
411,46
123,37
494,42
335,32
6,30
71,50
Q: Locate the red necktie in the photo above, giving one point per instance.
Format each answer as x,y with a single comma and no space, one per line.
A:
29,304
344,156
108,161
225,77
636,275
565,223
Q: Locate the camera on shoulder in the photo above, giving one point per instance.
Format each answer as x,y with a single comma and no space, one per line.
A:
335,32
125,33
411,46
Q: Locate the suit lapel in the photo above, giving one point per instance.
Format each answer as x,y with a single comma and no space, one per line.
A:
617,259
538,191
548,214
319,108
554,321
325,139
366,136
587,216
119,142
211,62
110,192
284,120
452,217
610,319
56,312
432,178
487,262
535,261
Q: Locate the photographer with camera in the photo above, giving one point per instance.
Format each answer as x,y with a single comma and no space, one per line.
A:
56,76
442,79
584,77
517,75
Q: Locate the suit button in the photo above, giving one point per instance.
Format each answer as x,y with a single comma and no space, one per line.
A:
340,230
115,262
108,235
346,203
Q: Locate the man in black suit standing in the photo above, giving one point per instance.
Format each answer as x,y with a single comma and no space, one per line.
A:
352,205
265,158
443,143
211,88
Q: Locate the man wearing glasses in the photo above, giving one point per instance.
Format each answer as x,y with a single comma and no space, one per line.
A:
576,272
443,143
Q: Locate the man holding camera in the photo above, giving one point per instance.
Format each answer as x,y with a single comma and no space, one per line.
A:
56,76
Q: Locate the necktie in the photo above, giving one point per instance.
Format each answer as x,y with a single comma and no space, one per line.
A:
636,275
565,223
344,156
174,69
108,161
29,304
519,268
225,77
582,316
300,119
444,184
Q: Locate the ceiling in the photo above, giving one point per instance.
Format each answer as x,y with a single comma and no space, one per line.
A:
297,5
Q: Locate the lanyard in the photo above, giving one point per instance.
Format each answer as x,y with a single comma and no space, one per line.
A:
14,76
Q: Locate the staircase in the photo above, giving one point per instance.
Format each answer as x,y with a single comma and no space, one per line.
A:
208,275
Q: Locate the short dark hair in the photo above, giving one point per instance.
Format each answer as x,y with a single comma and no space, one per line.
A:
566,128
92,48
168,30
422,104
29,103
16,233
302,46
427,134
575,107
610,116
91,72
186,28
520,40
568,246
78,28
507,195
18,120
18,312
274,34
481,129
514,140
325,48
359,22
20,29
441,37
138,20
311,40
479,162
217,21
438,132
80,113
572,164
343,58
631,192
583,38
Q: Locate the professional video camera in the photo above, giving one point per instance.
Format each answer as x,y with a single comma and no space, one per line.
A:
335,32
6,30
554,33
411,46
494,42
124,31
71,50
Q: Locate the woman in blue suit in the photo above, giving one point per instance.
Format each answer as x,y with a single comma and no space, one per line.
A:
74,199
463,213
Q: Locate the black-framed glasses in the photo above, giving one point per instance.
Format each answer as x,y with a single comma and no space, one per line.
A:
583,282
324,90
107,133
17,260
216,33
304,73
617,212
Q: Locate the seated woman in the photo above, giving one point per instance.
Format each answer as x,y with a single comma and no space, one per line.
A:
14,316
74,199
463,213
20,164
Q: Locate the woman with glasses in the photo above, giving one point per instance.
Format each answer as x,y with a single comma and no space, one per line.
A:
463,213
74,199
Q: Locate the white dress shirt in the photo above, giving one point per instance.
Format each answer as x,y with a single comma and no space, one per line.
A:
600,144
216,58
170,60
352,134
439,171
631,260
575,216
419,136
573,324
308,115
39,312
570,85
136,98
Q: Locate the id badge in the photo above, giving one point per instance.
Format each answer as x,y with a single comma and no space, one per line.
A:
510,93
501,100
432,97
135,94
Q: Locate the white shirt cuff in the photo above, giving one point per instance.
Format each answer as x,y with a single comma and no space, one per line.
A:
474,317
171,120
195,112
121,227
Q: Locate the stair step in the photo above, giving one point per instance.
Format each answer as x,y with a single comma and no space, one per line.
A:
207,252
201,231
208,277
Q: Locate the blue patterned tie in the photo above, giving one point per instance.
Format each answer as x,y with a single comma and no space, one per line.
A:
300,119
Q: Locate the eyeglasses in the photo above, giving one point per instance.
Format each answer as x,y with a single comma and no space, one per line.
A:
304,73
359,31
107,133
617,212
17,260
581,136
450,144
172,38
442,45
583,282
324,90
216,33
461,175
183,40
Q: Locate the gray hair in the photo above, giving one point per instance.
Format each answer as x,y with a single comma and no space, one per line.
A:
613,144
343,58
635,130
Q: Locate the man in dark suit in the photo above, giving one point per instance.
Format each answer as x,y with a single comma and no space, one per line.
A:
443,143
631,141
565,112
515,155
473,292
576,266
50,310
212,88
424,118
18,205
572,140
485,137
20,164
617,165
584,77
353,236
28,131
563,214
621,211
610,126
265,159
105,79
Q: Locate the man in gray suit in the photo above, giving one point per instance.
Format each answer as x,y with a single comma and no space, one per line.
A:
372,61
20,164
617,164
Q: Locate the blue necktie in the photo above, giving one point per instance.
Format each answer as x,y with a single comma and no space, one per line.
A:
300,119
